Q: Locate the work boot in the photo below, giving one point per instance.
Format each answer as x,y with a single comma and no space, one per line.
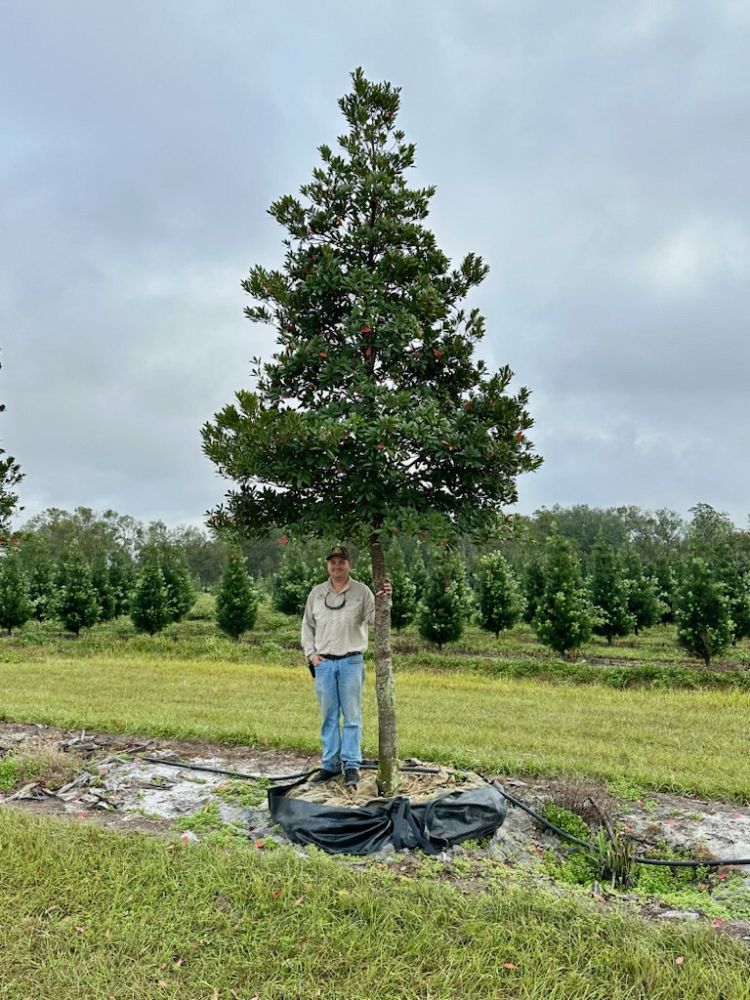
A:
351,775
324,775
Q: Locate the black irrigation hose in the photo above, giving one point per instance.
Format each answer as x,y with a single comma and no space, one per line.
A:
366,765
232,774
662,862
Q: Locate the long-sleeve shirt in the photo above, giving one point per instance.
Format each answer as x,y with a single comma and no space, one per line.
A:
335,623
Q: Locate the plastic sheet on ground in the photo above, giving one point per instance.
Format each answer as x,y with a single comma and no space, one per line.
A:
336,820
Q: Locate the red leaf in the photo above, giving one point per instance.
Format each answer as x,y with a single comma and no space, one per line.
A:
283,540
365,329
508,965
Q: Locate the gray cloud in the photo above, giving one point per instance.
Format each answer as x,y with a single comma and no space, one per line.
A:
596,156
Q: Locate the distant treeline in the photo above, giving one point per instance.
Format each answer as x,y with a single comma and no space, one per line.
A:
660,541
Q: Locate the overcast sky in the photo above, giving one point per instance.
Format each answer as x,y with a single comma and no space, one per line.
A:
596,155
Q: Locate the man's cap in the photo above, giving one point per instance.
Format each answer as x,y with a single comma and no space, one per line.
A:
338,552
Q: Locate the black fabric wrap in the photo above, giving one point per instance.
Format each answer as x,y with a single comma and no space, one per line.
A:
432,826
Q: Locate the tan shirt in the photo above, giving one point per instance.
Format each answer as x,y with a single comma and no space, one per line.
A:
325,630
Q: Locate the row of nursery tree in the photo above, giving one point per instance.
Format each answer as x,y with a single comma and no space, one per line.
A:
81,568
564,598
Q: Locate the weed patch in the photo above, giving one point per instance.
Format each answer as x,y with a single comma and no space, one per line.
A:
245,793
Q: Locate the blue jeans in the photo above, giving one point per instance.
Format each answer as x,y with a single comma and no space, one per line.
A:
338,685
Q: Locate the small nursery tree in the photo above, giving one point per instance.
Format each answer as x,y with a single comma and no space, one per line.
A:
10,477
42,589
15,606
532,580
564,617
404,599
293,581
738,592
417,572
373,416
150,610
500,600
77,603
177,580
121,580
704,624
445,607
104,595
609,593
643,597
237,600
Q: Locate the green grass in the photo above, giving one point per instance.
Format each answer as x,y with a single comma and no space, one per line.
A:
135,918
689,741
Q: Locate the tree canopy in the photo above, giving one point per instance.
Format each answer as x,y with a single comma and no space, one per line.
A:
373,412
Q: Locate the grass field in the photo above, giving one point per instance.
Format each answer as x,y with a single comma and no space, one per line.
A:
97,915
689,741
89,914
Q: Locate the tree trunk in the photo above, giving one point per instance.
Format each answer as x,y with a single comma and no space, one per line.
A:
387,757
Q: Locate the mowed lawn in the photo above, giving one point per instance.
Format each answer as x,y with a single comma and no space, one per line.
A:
691,741
93,915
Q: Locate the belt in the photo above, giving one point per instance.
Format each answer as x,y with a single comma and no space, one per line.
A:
342,656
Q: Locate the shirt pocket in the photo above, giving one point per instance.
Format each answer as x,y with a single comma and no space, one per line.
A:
354,610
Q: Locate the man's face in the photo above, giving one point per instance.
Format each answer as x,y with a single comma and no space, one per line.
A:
338,568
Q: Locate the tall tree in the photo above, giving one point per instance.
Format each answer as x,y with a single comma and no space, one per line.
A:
373,415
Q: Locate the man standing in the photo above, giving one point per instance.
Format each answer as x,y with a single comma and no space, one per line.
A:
334,638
